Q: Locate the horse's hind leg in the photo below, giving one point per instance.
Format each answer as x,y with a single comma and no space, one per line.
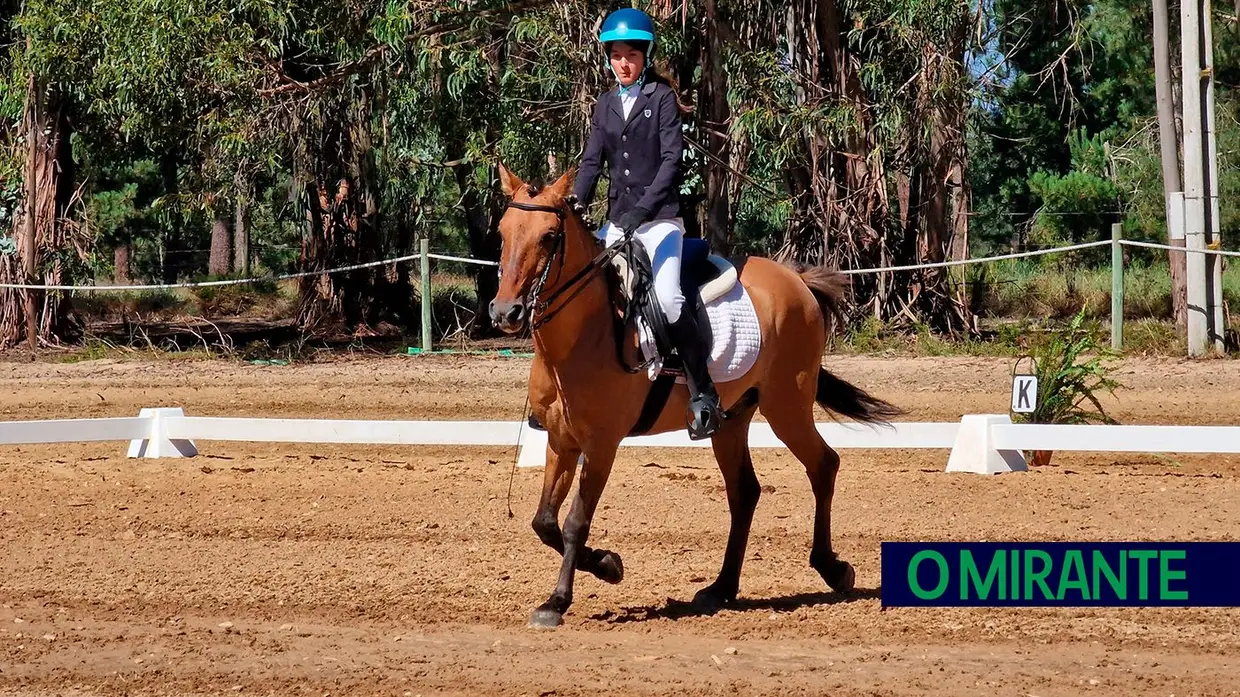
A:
792,420
731,446
557,482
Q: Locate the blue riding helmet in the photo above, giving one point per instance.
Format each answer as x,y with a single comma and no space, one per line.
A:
631,26
627,25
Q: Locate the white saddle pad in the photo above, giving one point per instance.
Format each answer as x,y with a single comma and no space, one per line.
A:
736,334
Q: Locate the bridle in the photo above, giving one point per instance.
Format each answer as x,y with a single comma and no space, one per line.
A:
539,312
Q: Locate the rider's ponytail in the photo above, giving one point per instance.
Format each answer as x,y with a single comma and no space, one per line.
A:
658,73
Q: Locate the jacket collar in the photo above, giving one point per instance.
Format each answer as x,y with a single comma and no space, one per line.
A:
643,98
613,98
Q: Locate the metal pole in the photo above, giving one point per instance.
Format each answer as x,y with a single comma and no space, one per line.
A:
1117,287
426,294
1194,175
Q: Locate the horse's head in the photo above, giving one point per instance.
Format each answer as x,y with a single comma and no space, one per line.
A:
532,231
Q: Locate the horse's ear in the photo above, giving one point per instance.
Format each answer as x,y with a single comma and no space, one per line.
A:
508,181
564,185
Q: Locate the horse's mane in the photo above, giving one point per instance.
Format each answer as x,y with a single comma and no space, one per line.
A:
536,187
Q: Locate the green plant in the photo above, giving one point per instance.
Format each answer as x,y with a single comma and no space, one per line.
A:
1072,367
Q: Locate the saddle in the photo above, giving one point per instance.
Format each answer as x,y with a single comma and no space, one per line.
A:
704,277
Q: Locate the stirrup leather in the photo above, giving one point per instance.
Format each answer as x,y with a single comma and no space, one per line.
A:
704,412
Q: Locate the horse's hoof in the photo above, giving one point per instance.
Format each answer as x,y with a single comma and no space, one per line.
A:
710,600
841,577
546,618
610,568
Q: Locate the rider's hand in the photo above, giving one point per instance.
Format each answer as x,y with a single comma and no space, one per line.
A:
630,221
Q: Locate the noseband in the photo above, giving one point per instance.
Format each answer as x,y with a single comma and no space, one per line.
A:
540,307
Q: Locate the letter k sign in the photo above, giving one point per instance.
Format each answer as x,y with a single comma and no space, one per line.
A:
1024,393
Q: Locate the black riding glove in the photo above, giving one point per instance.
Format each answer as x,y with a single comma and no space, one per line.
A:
629,222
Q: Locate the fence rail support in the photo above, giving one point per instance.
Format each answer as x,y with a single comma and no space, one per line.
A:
425,268
1117,286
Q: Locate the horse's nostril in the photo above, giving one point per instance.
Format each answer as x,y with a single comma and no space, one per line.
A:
516,313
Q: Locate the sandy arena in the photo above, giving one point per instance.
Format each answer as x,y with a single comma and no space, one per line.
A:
259,569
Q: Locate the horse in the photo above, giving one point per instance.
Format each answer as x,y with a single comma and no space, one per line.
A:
552,278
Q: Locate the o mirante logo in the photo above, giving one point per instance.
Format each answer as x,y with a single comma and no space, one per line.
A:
1060,574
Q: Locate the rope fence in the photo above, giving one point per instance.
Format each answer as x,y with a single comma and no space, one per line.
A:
982,260
1152,245
484,262
424,257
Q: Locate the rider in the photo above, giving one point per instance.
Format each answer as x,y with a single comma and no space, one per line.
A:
636,130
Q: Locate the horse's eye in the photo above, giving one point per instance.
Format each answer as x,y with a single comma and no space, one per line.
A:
548,237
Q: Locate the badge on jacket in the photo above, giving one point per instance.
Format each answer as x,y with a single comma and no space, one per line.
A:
646,113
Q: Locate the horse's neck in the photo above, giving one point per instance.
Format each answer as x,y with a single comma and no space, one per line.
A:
581,326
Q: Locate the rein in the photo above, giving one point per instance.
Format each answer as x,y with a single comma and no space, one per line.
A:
540,313
539,306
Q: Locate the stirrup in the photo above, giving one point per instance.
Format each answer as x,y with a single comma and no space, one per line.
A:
704,417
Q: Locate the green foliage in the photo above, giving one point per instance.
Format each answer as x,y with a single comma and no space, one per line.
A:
1066,132
1075,207
1073,369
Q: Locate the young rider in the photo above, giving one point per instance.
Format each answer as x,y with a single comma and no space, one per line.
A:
635,129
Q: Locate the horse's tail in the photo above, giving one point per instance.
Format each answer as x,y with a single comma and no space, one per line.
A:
828,287
834,394
846,399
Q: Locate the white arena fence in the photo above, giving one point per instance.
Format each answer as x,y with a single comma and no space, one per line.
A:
977,443
981,444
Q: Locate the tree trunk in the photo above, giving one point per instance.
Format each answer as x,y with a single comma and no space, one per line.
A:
936,226
220,261
483,209
241,229
481,224
1170,160
173,237
944,230
47,193
340,195
962,204
36,188
120,262
838,190
715,122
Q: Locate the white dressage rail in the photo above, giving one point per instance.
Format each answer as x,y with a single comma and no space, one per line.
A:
983,444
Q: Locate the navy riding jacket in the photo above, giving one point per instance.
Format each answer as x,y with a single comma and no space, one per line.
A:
642,154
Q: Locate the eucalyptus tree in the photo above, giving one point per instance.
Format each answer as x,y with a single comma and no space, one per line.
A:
859,107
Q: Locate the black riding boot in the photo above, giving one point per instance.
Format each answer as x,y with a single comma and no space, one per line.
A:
704,410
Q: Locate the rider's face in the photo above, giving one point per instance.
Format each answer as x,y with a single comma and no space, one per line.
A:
627,62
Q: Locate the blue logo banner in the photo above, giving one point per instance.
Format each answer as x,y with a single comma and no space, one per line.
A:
1060,574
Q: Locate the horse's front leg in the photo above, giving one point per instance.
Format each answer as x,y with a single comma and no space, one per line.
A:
594,476
557,482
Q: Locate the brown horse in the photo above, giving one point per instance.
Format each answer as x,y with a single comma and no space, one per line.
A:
588,402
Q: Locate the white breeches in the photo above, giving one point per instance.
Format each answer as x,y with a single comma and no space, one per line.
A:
662,240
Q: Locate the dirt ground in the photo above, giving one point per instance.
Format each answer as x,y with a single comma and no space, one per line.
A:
347,570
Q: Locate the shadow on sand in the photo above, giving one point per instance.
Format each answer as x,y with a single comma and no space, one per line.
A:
678,609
